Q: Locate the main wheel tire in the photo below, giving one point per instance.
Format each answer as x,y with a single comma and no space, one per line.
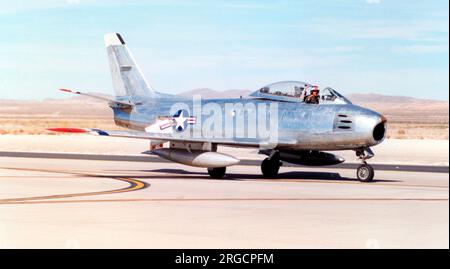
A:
270,168
365,173
217,173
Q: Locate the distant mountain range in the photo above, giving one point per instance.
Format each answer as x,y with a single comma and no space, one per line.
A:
380,98
396,108
355,97
212,94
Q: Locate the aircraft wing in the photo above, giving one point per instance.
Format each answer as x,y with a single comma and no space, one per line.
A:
166,137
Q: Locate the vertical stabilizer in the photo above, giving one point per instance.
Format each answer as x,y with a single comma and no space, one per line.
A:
127,77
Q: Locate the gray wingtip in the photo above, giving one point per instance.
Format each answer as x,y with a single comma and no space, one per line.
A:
120,38
113,39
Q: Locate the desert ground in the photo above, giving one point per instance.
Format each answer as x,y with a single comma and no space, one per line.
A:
65,202
391,151
418,130
408,118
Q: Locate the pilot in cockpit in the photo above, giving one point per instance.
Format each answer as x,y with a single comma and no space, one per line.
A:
313,97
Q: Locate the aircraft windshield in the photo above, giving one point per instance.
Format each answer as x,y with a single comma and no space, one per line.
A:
330,94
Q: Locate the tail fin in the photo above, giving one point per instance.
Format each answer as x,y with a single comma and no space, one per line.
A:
127,77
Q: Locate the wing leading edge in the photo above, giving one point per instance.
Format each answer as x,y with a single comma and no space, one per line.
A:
167,137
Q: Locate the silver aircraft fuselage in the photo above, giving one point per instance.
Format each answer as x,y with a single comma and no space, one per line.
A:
289,121
301,126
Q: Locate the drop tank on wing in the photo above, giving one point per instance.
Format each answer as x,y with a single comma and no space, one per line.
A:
198,158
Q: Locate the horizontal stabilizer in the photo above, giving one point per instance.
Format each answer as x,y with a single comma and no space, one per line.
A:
99,97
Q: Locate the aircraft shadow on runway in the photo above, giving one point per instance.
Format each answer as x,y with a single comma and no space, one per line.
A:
293,175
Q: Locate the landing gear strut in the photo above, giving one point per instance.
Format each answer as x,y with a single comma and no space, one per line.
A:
217,173
365,172
271,165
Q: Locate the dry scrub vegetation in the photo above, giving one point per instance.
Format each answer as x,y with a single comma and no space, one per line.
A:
418,131
409,120
38,126
34,117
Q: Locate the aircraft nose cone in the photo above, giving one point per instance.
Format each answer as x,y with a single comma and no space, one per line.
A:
371,124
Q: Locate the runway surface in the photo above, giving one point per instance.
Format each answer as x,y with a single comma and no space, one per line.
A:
252,162
51,202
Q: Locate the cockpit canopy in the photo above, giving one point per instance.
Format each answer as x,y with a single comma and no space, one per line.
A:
297,91
286,88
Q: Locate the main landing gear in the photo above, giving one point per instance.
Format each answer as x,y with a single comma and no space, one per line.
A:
271,165
365,172
217,173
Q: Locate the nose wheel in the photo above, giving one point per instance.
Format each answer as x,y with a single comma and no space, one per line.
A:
365,172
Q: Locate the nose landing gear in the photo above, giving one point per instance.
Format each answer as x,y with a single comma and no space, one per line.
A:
365,172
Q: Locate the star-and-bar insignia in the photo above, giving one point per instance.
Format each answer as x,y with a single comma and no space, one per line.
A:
179,121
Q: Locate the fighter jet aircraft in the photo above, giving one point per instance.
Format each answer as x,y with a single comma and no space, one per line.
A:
289,121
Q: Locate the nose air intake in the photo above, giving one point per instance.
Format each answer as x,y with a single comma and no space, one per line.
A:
380,130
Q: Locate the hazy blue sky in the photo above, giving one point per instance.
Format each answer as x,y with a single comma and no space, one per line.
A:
380,46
